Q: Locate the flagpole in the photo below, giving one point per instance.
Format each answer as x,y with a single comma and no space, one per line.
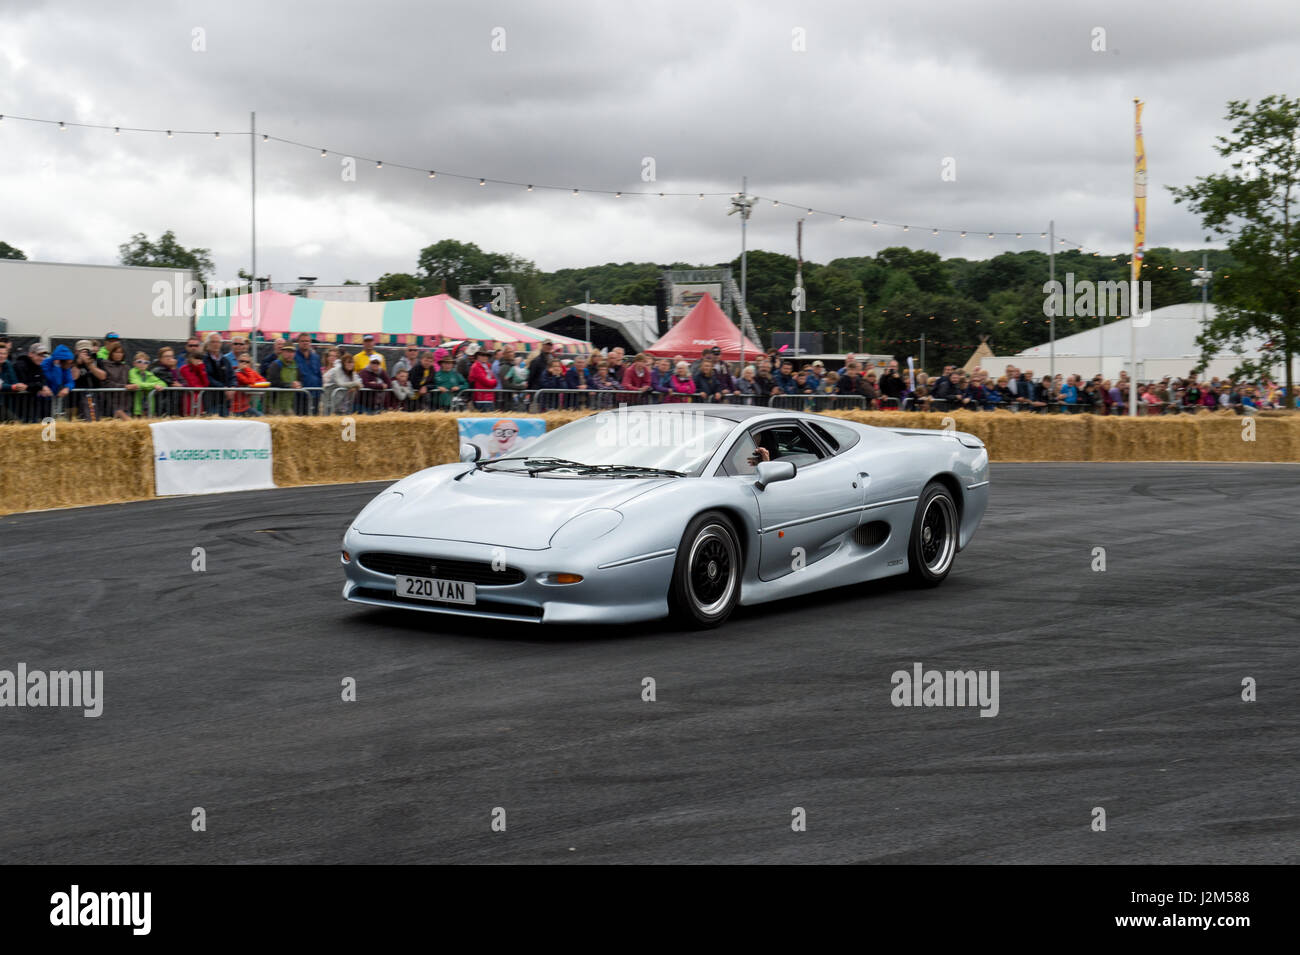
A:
252,178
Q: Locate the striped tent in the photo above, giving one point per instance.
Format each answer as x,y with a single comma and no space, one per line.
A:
414,321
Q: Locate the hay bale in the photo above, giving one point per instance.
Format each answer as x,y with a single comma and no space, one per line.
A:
72,463
1033,437
1233,438
80,463
381,447
1116,438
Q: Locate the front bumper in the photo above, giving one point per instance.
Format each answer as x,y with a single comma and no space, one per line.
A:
635,590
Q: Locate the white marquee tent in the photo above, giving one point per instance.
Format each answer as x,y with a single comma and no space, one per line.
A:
1165,346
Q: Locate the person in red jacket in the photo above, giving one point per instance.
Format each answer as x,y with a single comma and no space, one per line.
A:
482,381
247,376
194,375
637,376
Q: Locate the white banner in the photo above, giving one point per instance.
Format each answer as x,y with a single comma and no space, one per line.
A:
207,457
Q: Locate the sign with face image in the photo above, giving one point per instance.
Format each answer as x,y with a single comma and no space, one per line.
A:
501,437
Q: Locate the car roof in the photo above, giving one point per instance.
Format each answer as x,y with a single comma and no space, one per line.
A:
729,412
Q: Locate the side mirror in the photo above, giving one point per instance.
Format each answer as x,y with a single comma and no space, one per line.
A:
769,472
470,453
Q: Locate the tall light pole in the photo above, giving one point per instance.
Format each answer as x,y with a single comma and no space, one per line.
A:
744,204
860,307
1202,281
1051,275
798,286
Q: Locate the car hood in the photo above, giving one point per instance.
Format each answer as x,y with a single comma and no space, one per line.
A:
482,507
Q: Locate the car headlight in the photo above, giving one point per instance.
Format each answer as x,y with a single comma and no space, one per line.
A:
586,527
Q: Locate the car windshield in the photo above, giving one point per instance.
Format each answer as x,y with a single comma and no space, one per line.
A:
620,443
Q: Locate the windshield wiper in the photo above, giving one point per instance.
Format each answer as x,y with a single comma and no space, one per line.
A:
528,459
539,465
634,469
611,469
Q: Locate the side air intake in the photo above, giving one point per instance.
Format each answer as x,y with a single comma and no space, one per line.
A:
872,534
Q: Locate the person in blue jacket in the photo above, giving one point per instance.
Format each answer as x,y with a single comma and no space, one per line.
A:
57,370
1070,394
309,374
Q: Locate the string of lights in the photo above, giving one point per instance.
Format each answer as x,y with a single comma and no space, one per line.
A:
1064,242
434,173
1078,247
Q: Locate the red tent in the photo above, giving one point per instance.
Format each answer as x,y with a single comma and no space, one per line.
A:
703,327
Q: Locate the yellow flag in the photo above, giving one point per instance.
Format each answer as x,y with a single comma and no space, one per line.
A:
1139,194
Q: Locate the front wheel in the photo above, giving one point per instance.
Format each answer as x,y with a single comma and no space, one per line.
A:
706,579
933,543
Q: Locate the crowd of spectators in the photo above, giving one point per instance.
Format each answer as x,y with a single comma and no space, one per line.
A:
96,380
1018,390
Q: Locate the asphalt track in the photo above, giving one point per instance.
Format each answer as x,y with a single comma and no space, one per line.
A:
1119,689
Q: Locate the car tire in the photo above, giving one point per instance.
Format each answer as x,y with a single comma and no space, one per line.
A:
706,577
932,547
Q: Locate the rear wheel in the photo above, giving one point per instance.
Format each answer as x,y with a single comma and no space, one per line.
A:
706,579
933,543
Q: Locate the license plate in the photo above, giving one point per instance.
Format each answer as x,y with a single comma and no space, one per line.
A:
431,588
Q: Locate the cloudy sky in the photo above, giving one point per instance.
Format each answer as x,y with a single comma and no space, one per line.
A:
859,122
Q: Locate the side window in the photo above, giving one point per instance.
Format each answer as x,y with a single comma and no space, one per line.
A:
838,437
783,442
789,441
737,461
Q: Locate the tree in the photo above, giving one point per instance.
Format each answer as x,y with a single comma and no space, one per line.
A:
833,295
897,283
7,251
1003,271
1167,286
1255,206
769,288
456,264
869,273
925,268
952,326
393,286
1016,317
640,292
166,253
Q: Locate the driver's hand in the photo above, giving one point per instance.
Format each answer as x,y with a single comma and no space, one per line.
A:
760,454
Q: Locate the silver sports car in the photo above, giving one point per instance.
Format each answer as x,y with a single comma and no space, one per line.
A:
685,509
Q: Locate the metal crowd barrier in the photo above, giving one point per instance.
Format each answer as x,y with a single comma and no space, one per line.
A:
817,402
92,404
184,402
597,399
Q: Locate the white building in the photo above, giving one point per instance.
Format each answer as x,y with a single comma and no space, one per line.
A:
62,300
1166,345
